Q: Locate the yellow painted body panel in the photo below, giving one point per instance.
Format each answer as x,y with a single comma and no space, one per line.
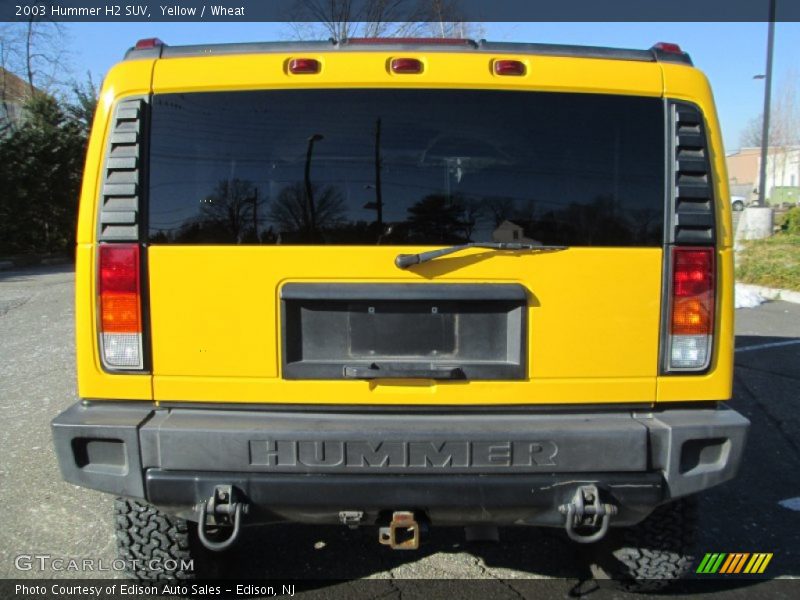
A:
215,317
442,70
248,390
133,78
717,384
686,83
93,381
126,79
594,313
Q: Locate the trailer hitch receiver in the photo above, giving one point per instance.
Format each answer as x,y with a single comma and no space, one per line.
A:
402,532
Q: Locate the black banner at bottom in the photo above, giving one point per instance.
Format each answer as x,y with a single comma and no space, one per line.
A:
407,589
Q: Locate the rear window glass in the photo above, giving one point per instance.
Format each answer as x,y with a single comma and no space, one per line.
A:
430,167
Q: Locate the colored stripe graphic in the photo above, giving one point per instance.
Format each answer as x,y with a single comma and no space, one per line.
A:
765,563
740,563
744,558
734,563
715,567
729,562
701,568
711,562
754,563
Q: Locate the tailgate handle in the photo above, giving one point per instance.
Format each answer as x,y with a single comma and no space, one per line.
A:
376,372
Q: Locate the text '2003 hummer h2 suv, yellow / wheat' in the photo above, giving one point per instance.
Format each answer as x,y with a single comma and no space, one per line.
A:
402,282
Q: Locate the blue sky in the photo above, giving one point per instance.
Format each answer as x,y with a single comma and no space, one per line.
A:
729,53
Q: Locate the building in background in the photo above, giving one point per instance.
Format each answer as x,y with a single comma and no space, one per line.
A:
743,172
783,173
508,231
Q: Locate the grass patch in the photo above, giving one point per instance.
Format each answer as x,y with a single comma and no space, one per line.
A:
773,262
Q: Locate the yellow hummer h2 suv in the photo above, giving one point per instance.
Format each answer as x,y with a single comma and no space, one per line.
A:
403,282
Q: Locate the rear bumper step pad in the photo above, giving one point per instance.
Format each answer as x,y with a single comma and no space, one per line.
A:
291,459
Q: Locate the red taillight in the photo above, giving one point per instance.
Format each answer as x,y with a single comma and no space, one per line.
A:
668,47
509,67
406,65
120,306
304,66
119,268
693,271
148,44
691,325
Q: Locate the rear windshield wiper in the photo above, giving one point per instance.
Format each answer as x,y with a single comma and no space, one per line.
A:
403,261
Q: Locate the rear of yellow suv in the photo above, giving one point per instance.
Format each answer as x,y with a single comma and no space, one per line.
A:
399,283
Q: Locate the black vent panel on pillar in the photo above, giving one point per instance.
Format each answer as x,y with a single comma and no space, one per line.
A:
403,331
119,202
693,197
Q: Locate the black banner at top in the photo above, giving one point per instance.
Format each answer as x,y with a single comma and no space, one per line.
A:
398,10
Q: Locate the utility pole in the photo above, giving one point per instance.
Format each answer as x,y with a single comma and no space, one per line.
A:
312,211
762,178
378,193
255,214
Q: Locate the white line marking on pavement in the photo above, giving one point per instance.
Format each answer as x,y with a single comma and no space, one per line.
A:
769,345
791,503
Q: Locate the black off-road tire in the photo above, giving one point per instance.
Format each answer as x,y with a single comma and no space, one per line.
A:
148,540
653,554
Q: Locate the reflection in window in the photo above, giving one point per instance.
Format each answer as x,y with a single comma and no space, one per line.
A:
405,167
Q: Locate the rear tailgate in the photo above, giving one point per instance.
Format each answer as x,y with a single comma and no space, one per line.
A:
592,327
231,229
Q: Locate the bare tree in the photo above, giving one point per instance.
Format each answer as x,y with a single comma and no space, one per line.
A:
232,207
291,212
784,126
441,18
36,52
500,209
342,19
86,94
751,134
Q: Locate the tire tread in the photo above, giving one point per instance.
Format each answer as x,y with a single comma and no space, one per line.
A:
144,533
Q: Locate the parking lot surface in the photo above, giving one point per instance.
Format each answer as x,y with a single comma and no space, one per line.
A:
757,512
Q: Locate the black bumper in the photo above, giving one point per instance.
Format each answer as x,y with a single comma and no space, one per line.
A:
457,468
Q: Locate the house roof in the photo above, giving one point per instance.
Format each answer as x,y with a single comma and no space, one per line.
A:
508,225
756,151
13,88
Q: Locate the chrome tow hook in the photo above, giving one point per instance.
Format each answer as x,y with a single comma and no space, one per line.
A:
221,509
586,511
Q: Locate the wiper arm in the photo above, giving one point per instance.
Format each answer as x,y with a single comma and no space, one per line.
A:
403,261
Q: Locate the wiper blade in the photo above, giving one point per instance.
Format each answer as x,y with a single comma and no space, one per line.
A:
403,261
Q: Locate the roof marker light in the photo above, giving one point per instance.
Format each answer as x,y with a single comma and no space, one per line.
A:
304,66
509,67
148,43
667,47
406,66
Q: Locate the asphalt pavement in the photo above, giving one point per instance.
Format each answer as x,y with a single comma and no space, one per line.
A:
42,515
